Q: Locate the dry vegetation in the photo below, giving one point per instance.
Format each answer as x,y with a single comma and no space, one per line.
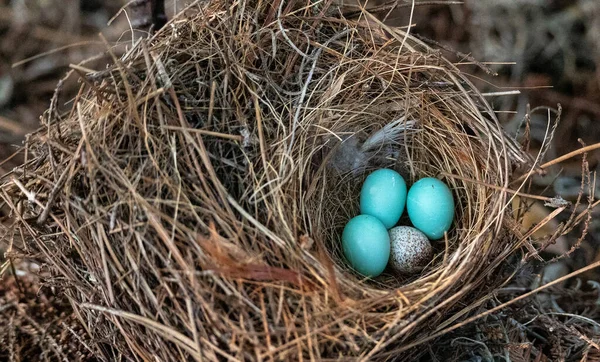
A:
189,204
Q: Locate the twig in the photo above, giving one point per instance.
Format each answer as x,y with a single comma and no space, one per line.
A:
207,133
562,158
549,200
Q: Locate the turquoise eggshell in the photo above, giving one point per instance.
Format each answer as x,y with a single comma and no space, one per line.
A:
430,207
383,195
366,245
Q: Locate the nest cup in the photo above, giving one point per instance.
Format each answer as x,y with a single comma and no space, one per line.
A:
191,203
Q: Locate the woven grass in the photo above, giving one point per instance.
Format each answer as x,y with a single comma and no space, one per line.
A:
37,325
190,205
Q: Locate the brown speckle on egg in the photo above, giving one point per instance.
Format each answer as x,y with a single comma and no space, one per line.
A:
410,249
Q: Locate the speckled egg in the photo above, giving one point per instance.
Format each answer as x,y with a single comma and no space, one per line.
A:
366,245
430,207
383,195
410,249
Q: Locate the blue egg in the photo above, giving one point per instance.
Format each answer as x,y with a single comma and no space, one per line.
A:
366,245
383,195
430,207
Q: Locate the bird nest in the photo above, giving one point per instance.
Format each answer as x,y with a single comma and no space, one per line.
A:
191,203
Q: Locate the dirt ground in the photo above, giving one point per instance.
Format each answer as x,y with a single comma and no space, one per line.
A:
38,42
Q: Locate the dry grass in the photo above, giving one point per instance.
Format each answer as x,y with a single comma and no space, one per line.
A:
190,204
37,325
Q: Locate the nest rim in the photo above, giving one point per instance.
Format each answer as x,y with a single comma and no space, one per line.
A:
232,240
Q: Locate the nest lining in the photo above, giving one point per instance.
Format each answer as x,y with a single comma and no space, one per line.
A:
191,203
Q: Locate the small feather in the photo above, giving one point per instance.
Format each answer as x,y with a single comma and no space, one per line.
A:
392,132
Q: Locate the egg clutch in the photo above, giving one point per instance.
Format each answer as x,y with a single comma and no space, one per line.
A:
372,240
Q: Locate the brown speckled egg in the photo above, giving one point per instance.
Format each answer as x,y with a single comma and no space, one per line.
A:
410,249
